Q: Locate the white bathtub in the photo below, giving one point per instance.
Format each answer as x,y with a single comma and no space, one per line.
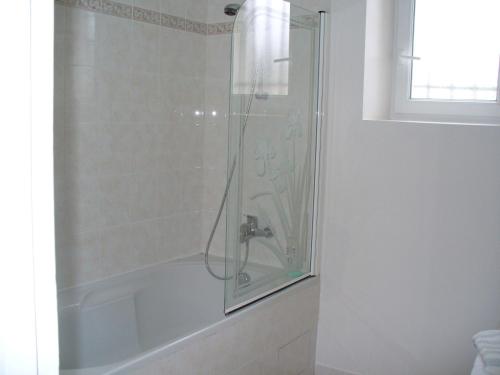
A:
109,326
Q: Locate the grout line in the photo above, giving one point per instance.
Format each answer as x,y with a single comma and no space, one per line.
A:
147,220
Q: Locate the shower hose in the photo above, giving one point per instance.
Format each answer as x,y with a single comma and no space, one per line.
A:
224,198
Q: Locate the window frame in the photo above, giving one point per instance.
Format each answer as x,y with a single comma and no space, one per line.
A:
405,108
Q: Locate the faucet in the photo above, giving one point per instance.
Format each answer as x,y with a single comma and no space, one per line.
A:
251,229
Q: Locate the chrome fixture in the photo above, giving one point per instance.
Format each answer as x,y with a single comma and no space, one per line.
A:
231,9
251,229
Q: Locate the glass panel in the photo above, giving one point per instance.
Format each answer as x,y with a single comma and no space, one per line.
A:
272,136
459,50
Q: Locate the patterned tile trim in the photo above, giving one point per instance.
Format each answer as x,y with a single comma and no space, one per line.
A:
147,16
219,28
173,22
196,27
114,8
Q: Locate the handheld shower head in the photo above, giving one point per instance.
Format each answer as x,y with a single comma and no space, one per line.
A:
231,9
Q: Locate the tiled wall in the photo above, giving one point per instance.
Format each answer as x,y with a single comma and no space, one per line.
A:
128,139
141,105
216,136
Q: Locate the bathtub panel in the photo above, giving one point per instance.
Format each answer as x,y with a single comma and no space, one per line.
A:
250,338
253,368
296,357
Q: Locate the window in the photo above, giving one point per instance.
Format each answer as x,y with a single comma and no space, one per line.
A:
447,60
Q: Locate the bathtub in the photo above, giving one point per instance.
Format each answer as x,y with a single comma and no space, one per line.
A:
120,323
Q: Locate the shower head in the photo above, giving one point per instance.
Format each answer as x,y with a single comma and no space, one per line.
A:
231,9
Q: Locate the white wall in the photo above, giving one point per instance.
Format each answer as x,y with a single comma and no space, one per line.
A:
18,344
411,237
28,339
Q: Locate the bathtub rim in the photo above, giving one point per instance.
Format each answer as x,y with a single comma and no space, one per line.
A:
73,295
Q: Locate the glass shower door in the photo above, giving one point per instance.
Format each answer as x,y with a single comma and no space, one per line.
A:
272,149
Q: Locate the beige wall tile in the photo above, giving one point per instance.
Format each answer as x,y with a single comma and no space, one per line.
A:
129,113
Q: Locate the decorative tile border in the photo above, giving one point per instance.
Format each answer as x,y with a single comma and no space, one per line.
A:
173,22
196,27
147,16
114,8
219,28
